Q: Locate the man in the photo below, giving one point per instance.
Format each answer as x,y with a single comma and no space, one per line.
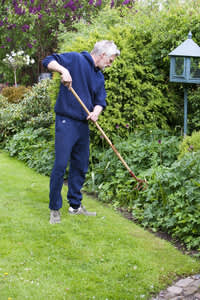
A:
83,72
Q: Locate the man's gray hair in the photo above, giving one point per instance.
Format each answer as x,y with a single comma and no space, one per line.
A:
105,46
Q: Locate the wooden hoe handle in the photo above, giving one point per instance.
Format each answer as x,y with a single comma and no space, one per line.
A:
140,181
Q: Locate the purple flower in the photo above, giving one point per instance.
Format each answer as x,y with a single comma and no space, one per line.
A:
126,2
1,23
47,10
32,10
71,5
25,27
98,3
8,39
112,4
32,1
39,8
91,2
127,125
19,11
159,141
40,16
30,45
9,27
2,46
117,126
190,148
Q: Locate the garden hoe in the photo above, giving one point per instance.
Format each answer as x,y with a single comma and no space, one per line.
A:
142,184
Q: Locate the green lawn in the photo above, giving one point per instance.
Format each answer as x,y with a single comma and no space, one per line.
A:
103,257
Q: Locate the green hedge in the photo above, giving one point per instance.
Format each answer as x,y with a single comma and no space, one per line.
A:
139,94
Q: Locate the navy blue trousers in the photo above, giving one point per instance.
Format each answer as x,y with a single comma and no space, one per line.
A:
71,145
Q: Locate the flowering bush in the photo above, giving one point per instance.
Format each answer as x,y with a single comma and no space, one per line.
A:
35,24
17,61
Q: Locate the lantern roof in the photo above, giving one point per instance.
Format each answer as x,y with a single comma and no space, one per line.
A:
187,48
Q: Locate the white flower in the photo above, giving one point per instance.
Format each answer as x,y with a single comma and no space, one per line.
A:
21,52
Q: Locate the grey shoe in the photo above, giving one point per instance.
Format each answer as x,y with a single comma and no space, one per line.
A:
54,217
81,211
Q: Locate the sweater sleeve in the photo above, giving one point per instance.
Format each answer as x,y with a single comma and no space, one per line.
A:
63,59
100,97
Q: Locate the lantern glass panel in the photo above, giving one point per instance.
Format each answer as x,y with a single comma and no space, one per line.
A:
195,67
179,66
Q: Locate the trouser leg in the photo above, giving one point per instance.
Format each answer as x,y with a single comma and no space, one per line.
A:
65,137
78,166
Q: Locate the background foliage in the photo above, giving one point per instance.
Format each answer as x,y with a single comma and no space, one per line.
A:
25,25
139,94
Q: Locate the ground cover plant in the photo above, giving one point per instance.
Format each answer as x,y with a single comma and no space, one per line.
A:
107,257
171,201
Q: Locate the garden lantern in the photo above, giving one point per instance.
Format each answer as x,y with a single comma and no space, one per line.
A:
185,68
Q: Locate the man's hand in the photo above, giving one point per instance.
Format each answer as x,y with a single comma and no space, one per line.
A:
65,75
94,115
66,78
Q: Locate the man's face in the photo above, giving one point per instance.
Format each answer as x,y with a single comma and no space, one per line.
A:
105,61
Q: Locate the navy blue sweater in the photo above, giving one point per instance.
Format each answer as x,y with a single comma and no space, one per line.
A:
87,81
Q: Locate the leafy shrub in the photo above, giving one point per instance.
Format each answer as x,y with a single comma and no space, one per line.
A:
38,100
35,108
43,119
10,121
171,202
141,152
15,94
3,101
34,147
190,144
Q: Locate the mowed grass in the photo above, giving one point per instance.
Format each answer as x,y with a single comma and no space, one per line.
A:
103,257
